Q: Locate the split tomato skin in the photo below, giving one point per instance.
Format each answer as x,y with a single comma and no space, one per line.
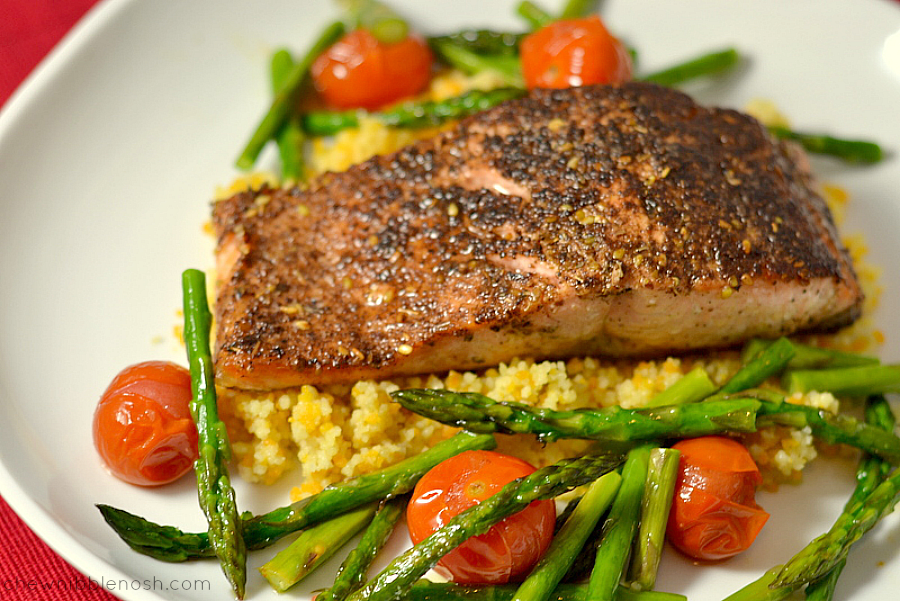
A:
142,427
714,513
511,548
574,52
359,71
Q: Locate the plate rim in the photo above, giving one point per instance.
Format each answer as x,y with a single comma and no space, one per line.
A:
48,529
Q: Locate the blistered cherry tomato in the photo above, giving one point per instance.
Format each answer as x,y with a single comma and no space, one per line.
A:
143,428
573,52
714,513
359,71
505,553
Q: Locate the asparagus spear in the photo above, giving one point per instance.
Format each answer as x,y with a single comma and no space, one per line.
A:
809,357
352,573
761,589
862,380
619,528
504,65
313,547
168,543
739,412
574,9
425,590
693,386
830,427
411,114
534,15
712,63
772,360
566,544
281,105
825,552
872,471
853,151
823,588
614,424
483,41
378,18
662,473
290,137
213,482
545,483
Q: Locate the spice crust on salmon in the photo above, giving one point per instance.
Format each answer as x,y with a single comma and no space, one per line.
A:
604,220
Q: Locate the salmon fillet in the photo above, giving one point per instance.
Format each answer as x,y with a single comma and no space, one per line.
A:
603,220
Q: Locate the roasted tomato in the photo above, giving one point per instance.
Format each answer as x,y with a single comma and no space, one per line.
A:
143,428
359,71
714,515
573,52
505,553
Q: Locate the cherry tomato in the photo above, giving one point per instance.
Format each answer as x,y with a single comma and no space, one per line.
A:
714,515
143,428
359,71
573,52
505,553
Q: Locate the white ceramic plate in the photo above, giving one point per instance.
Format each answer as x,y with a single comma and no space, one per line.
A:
108,158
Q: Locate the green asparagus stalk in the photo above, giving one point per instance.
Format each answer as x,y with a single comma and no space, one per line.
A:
425,590
506,66
411,114
825,552
567,543
662,473
168,543
830,427
217,499
860,381
280,107
478,413
280,65
761,589
852,151
483,41
692,387
575,9
771,361
810,357
823,588
352,573
546,483
712,63
290,137
563,516
871,474
313,547
535,16
620,527
378,18
872,470
614,426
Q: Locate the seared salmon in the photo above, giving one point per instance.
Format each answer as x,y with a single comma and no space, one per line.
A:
603,220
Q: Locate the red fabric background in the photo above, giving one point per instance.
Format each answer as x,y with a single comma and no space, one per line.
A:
29,569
